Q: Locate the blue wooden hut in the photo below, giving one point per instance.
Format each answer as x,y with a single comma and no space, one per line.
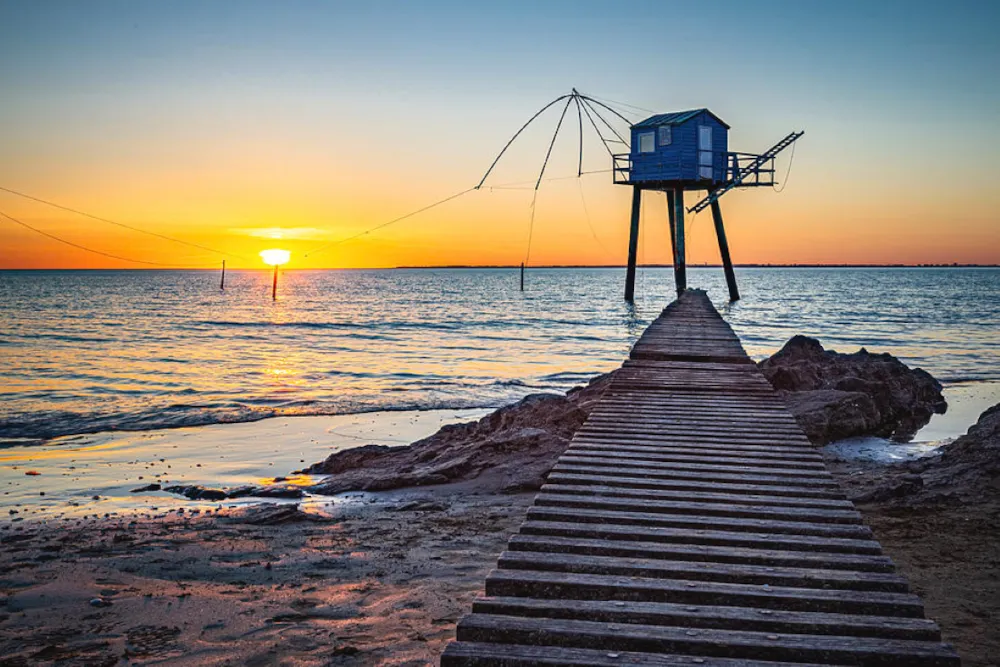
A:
689,147
682,151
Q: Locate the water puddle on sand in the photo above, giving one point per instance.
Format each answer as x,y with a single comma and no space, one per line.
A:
96,474
966,401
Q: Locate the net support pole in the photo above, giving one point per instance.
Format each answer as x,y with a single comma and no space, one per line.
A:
222,281
680,268
633,244
727,263
522,276
274,285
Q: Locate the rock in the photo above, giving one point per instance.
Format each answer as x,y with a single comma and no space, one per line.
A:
421,505
148,487
835,396
897,488
273,514
964,472
198,492
273,491
100,602
514,447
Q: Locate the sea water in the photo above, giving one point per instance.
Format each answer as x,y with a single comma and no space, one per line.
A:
89,351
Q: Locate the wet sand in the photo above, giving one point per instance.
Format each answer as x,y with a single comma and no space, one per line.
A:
96,474
363,582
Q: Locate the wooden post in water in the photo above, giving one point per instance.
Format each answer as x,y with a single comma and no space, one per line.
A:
274,285
727,263
680,270
522,276
633,244
222,282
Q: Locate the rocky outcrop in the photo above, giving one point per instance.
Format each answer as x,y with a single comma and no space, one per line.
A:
835,396
966,471
510,449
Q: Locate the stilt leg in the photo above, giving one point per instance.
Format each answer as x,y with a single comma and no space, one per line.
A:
633,245
680,270
673,231
727,263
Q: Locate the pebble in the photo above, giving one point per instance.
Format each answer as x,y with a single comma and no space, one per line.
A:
100,602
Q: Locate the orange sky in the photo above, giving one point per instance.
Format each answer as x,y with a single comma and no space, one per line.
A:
316,124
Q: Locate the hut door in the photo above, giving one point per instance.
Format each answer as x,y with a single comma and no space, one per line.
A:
705,151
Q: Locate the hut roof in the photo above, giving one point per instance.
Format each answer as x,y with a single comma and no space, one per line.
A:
676,118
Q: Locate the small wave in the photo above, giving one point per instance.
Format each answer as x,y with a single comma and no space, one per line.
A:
42,426
968,379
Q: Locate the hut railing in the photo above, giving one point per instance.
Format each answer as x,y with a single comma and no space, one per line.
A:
762,175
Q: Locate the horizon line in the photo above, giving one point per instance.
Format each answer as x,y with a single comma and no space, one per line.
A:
954,265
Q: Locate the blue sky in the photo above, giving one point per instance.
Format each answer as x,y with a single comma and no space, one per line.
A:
893,95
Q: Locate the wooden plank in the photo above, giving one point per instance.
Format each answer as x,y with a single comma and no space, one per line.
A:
670,440
641,353
687,417
710,642
715,537
701,553
722,369
706,432
773,526
790,453
716,496
721,618
600,476
702,509
693,438
474,654
674,457
556,585
703,571
770,472
762,452
720,422
704,475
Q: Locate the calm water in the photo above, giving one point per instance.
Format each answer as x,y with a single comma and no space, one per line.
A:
85,351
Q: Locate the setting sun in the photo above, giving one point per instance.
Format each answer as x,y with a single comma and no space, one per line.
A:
275,256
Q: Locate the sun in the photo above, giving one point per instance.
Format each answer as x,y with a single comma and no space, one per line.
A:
275,256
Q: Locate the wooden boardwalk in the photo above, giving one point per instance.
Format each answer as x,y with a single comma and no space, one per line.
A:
691,522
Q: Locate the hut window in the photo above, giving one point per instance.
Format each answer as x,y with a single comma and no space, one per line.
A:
647,142
665,137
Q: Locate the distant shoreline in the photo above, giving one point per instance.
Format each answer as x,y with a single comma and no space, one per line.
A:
555,266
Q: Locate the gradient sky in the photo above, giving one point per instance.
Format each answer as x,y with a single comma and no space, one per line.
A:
225,123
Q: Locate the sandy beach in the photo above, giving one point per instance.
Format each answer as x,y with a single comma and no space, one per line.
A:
361,578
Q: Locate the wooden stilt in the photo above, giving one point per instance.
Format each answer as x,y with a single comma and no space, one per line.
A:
680,269
727,263
673,230
522,276
274,285
633,244
222,282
